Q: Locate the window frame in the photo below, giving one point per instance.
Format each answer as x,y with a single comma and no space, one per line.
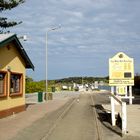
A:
5,83
20,93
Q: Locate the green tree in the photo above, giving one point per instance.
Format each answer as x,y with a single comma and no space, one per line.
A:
8,5
34,86
29,79
137,81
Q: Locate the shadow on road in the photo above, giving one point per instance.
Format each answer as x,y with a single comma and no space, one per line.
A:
29,104
136,100
104,116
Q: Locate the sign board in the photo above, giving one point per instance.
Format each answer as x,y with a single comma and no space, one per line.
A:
121,70
121,90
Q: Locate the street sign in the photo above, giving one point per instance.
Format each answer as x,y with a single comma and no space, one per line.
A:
121,70
121,76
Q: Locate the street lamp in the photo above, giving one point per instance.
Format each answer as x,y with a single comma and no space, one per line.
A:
49,30
24,37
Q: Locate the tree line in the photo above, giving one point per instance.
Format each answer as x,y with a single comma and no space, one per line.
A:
37,86
137,81
40,86
81,80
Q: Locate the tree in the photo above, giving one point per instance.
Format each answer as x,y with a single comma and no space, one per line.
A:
137,81
29,79
8,5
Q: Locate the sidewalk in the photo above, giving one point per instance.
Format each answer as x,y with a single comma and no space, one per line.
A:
133,116
10,126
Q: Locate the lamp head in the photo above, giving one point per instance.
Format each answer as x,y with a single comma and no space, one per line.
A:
25,38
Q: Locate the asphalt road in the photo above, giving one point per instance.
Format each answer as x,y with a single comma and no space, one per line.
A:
81,118
86,120
79,123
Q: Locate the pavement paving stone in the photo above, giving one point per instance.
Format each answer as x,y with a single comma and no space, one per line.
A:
13,124
133,120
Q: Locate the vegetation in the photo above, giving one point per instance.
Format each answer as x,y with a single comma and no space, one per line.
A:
8,5
137,81
34,86
81,80
39,86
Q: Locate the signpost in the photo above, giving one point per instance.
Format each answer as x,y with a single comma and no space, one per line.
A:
121,76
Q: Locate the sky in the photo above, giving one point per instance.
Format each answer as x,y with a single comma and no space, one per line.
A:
92,31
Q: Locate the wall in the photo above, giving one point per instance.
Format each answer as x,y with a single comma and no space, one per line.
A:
9,56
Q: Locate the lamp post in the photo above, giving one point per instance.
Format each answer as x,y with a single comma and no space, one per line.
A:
49,30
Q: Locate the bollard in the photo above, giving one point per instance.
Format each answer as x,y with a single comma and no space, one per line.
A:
50,96
45,96
40,96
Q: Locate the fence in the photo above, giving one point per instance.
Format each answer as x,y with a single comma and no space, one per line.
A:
123,112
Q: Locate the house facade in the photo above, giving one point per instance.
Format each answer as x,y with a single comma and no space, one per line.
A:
13,64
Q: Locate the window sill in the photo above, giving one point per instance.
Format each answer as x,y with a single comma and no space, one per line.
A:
15,94
3,95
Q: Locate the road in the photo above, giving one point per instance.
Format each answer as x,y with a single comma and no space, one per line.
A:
79,123
86,121
81,118
76,120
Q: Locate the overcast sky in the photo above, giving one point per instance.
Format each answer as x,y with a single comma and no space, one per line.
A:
91,32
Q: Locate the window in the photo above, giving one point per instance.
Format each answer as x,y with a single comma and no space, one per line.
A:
16,84
3,81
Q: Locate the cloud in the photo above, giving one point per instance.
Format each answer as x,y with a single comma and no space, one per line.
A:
92,31
82,47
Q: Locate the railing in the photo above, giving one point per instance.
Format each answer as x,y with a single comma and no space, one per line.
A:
123,112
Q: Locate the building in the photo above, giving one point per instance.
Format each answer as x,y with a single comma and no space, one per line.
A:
13,64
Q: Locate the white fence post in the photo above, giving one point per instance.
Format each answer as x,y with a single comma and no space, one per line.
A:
130,95
112,107
124,118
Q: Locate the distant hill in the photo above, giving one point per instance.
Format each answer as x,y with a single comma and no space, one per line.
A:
81,80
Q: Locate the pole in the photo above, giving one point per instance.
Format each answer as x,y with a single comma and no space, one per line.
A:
124,118
46,61
130,95
112,107
51,29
